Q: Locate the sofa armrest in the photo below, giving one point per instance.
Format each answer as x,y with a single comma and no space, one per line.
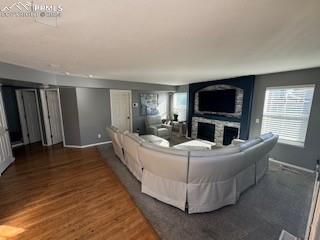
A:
169,127
237,142
166,126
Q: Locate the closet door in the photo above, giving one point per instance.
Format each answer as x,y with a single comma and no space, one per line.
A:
54,116
31,116
5,147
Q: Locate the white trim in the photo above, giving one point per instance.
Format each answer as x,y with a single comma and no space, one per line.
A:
17,145
4,165
86,146
293,86
291,143
19,99
39,116
22,121
130,105
291,165
313,219
45,115
61,119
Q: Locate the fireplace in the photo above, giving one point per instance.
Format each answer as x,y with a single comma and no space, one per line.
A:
214,130
206,131
229,133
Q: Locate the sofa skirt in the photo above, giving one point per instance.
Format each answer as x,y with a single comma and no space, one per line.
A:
206,197
166,190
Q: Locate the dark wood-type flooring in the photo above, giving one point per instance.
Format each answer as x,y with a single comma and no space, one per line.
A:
59,193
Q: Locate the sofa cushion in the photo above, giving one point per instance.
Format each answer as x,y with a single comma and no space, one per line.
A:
136,138
163,132
165,149
218,152
113,128
250,143
266,136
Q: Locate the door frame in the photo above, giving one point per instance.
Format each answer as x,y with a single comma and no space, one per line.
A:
44,106
6,163
22,114
130,105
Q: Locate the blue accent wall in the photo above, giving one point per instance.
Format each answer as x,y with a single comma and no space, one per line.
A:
246,83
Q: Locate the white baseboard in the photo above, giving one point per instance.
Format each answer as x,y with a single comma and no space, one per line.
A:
17,145
5,164
86,146
292,165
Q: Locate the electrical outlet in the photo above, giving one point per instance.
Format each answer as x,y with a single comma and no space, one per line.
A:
258,120
99,135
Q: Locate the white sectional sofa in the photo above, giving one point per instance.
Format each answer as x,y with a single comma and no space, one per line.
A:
196,181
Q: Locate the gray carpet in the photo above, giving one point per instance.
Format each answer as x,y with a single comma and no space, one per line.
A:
279,201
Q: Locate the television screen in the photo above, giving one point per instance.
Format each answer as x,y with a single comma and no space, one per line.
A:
218,101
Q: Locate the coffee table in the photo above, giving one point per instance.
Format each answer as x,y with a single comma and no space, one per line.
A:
197,144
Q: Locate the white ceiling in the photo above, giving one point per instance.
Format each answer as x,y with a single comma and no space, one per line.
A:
167,41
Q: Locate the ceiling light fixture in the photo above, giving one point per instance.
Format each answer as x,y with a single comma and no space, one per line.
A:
53,65
67,73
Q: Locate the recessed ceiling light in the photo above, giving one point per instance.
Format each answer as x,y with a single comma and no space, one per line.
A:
67,73
90,76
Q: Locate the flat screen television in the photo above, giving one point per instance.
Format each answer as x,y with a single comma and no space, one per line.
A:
223,101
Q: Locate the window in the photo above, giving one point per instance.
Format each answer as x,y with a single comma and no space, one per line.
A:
180,105
286,112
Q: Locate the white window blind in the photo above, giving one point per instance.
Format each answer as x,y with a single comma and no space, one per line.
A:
286,112
180,105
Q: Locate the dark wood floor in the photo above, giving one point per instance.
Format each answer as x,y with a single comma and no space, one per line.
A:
58,193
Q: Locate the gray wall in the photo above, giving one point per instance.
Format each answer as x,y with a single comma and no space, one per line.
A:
86,113
82,98
70,116
21,76
182,88
138,120
305,157
94,114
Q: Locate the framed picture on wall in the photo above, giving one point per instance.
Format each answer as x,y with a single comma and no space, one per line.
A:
149,104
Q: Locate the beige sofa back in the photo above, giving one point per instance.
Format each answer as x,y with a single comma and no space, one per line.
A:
217,178
205,180
116,138
131,145
164,174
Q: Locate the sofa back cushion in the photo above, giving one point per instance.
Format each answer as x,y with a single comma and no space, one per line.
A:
164,162
131,144
269,144
256,149
250,143
217,152
215,168
266,136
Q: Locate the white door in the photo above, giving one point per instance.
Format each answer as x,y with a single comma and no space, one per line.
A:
54,116
31,116
120,101
22,115
6,156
